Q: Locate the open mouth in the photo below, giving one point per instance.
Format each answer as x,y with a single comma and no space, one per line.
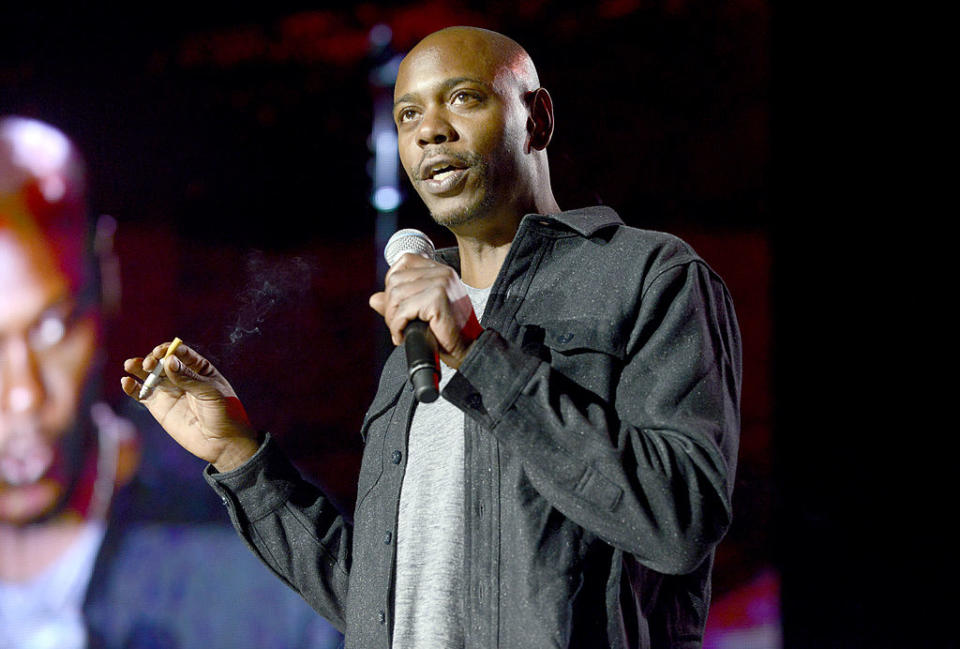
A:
443,172
444,178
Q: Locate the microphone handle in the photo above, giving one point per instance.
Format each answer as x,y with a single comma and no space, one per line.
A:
423,361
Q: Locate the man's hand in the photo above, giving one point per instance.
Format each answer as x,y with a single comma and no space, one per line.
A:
417,288
196,406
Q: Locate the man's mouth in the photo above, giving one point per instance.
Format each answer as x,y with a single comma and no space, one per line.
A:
24,460
442,175
441,171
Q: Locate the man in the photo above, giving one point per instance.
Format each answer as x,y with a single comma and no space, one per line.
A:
95,550
569,488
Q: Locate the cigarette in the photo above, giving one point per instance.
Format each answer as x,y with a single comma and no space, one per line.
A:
154,377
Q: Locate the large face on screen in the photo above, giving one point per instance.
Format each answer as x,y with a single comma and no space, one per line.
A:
47,344
48,336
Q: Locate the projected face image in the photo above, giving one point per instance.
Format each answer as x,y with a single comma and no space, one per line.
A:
46,349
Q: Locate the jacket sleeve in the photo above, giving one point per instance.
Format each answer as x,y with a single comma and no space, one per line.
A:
650,468
291,526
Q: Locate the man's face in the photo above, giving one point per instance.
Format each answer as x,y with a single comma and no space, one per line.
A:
46,350
461,131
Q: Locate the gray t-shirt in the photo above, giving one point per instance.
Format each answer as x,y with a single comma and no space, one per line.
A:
428,593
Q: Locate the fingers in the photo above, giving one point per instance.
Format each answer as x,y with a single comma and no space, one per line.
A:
185,369
135,366
429,305
412,301
414,288
411,267
182,375
195,365
130,387
139,368
410,260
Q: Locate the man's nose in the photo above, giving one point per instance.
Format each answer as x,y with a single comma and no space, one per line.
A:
21,382
435,128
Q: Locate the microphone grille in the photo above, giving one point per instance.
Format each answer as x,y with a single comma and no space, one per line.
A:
407,240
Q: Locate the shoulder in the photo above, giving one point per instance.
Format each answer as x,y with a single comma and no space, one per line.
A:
596,244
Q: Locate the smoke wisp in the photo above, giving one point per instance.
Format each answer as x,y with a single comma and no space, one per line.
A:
271,284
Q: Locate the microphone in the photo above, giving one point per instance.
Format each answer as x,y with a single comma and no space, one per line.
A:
420,346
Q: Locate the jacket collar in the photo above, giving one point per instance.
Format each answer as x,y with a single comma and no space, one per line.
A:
585,221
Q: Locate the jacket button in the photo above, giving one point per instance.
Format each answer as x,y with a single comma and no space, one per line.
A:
475,401
387,538
396,456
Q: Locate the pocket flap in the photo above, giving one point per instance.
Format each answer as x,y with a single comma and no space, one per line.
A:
572,334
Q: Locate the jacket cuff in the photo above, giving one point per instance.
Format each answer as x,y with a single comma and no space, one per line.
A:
257,487
490,378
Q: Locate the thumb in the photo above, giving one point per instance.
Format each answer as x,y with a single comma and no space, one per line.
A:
378,302
188,379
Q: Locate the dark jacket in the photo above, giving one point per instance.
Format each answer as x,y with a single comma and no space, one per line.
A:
602,414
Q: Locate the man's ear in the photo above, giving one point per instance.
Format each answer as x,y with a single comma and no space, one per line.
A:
540,121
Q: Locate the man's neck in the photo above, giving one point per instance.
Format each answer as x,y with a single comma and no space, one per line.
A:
485,242
26,551
480,261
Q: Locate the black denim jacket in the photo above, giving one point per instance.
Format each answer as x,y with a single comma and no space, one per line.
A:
602,421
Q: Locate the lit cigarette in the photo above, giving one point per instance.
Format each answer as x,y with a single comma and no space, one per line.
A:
154,377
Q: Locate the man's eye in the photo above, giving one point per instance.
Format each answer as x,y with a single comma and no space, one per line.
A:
463,97
48,332
406,115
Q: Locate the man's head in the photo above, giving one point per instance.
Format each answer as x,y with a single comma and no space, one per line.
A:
49,321
473,125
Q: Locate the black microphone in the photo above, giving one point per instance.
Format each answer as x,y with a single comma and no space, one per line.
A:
423,361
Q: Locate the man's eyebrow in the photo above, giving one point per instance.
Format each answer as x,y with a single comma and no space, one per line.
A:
64,303
446,85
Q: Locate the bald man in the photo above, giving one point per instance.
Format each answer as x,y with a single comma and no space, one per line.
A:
571,485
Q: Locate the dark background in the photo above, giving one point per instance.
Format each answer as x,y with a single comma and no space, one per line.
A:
231,146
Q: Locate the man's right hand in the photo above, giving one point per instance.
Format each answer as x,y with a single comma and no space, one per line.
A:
196,406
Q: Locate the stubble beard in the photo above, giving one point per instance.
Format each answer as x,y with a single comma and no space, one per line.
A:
480,205
464,214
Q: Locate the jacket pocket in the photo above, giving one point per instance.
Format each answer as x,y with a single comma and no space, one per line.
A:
588,351
574,334
583,335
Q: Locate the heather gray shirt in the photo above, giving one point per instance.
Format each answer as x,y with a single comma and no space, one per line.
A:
429,577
